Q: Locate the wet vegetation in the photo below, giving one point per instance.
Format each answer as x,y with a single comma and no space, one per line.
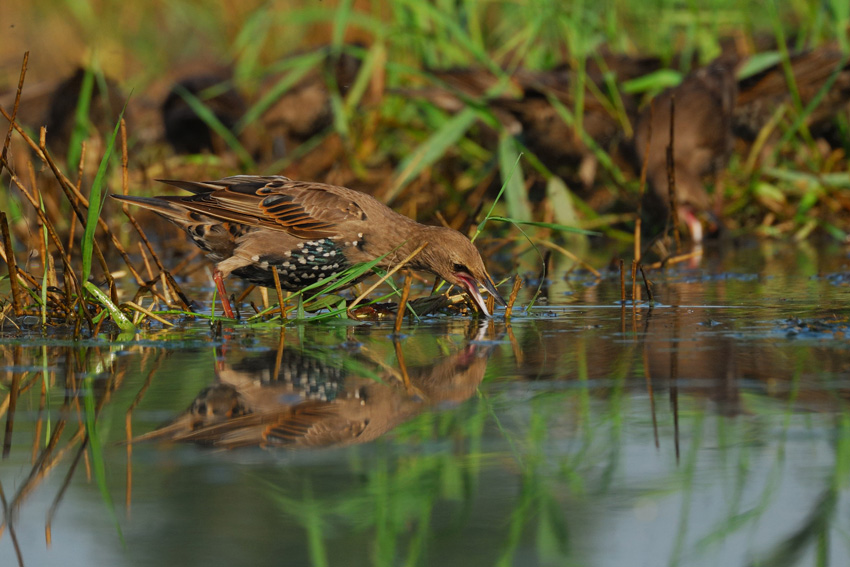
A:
659,189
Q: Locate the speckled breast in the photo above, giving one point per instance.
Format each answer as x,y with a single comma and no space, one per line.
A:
305,264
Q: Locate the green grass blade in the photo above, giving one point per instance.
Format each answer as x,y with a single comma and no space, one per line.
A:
96,447
96,199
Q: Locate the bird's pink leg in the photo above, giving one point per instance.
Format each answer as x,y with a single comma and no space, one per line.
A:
222,293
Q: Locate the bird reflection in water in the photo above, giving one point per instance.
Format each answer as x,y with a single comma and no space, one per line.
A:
296,398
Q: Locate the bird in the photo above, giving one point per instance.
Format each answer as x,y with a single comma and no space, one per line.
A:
704,104
760,94
307,232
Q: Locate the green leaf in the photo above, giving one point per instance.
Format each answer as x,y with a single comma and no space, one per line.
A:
655,81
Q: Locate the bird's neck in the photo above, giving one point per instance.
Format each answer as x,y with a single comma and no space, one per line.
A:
404,238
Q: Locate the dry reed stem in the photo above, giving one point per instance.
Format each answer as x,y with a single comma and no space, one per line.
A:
125,189
671,175
146,262
386,276
81,167
245,293
622,282
513,296
149,313
402,304
648,285
8,139
634,278
75,199
651,393
675,259
12,534
643,168
12,266
50,230
279,291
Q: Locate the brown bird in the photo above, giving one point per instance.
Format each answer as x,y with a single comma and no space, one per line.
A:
704,102
308,232
762,93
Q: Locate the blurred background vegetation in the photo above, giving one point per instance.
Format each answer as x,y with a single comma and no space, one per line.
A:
392,133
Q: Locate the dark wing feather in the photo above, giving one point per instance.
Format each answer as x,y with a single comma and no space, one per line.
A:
305,210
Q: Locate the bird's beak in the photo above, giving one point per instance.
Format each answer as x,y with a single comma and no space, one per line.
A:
470,284
491,289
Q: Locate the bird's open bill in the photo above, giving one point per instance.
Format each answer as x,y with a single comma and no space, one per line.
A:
470,285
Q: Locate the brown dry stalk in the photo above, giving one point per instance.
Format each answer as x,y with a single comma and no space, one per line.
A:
512,298
648,285
402,304
644,166
279,291
169,279
15,107
634,278
622,282
675,259
671,176
51,231
11,264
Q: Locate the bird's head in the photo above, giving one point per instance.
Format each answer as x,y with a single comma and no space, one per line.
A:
454,258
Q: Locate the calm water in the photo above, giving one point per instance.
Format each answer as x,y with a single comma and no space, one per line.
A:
710,430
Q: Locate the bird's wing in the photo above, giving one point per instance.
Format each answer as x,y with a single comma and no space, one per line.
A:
303,209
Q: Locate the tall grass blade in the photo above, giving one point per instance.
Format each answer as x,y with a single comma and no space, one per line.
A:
96,199
81,120
432,149
300,66
516,196
96,447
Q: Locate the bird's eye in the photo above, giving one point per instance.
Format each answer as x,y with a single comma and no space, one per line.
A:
460,268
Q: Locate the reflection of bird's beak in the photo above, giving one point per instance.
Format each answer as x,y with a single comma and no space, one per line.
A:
470,284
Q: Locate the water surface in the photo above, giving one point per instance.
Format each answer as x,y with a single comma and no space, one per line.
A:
711,429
